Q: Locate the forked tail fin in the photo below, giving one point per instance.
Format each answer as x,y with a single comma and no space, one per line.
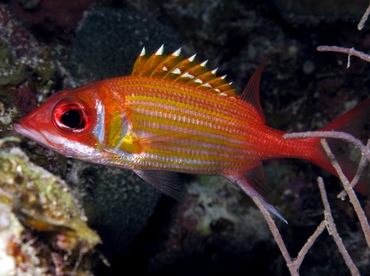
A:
352,122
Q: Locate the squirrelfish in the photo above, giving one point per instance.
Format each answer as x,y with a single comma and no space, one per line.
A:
172,115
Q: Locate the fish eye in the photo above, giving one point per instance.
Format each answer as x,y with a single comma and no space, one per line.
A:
73,119
71,116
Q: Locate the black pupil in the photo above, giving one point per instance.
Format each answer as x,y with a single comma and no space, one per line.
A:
73,119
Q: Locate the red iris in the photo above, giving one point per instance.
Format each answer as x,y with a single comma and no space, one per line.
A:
71,115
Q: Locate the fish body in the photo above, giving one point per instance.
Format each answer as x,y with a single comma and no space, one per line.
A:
172,115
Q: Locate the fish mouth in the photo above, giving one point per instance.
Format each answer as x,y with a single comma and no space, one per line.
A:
31,134
20,129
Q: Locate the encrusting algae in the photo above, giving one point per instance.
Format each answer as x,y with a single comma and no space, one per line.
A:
43,231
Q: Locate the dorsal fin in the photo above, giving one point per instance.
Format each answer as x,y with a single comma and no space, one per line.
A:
175,68
251,92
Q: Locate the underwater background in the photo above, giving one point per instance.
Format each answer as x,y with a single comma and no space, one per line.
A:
76,217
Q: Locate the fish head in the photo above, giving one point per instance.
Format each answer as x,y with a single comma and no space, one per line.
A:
65,123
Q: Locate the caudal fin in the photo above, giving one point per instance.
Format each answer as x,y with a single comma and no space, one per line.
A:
352,122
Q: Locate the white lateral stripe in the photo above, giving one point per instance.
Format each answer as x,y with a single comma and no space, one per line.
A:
99,130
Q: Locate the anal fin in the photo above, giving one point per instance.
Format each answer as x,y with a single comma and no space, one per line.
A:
254,185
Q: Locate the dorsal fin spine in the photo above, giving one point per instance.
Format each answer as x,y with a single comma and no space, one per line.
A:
162,68
143,52
139,63
216,81
177,53
205,77
177,69
192,58
204,63
186,65
160,51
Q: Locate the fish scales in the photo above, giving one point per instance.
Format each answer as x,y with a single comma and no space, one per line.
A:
202,136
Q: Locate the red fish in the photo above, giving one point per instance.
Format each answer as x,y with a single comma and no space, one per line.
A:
174,115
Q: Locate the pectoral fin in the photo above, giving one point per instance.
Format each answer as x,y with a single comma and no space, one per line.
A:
168,183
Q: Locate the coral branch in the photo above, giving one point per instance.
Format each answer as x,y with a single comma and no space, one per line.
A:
352,196
329,223
309,243
363,19
332,229
361,166
293,268
349,51
292,264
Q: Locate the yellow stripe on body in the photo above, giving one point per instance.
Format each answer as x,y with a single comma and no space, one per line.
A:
193,145
189,130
